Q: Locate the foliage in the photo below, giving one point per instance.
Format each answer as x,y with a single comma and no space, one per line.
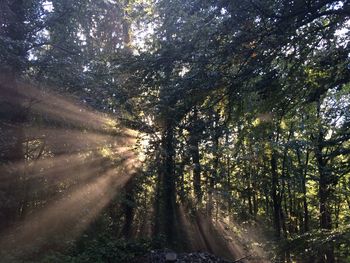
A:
309,246
240,109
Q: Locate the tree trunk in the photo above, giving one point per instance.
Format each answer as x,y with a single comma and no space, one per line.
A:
324,190
229,205
303,174
194,150
213,176
128,208
168,193
323,193
275,197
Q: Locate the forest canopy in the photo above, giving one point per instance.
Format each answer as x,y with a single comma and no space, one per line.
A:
128,126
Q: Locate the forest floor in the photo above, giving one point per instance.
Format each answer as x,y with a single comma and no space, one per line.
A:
160,256
216,241
232,245
236,242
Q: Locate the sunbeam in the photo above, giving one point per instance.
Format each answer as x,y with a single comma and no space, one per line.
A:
131,128
83,156
51,107
65,140
69,215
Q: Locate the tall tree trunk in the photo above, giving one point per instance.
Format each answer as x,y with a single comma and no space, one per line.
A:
267,203
128,205
157,200
275,195
303,173
323,194
229,192
168,191
324,189
129,199
213,176
181,175
285,176
194,150
325,210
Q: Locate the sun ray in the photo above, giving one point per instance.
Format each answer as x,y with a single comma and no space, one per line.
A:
65,140
84,155
52,107
72,213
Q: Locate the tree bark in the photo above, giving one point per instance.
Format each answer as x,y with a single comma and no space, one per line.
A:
128,208
303,174
275,197
213,177
168,185
194,150
324,189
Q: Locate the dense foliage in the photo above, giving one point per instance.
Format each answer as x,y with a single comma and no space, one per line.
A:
131,125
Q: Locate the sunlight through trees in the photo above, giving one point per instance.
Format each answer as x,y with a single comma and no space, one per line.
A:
130,126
